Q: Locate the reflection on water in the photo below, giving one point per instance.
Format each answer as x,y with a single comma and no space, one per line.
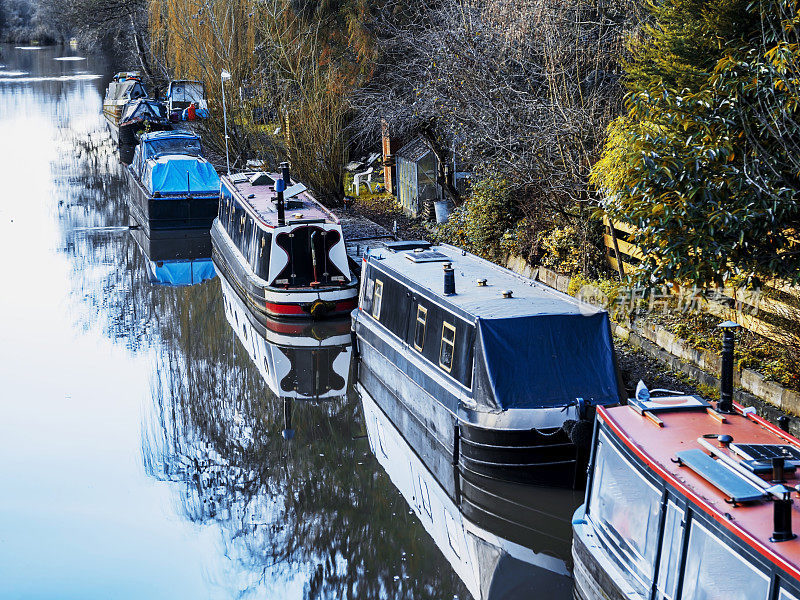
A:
158,441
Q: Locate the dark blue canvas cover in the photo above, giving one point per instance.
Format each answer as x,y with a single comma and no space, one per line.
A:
545,360
180,175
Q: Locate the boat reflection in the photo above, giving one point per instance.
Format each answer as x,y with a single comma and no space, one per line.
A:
175,258
299,360
504,540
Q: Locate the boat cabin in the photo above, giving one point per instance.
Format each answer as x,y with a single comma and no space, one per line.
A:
182,93
505,341
688,503
124,87
143,109
302,249
171,163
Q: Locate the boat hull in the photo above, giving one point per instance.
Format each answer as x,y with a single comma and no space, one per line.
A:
278,303
525,455
128,131
169,213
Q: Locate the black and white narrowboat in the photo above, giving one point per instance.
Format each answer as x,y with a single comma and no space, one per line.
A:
504,541
141,116
123,88
172,186
688,502
282,249
299,360
505,372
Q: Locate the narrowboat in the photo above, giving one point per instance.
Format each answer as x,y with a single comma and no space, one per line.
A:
172,185
504,372
141,116
181,94
688,501
503,540
124,87
299,360
283,250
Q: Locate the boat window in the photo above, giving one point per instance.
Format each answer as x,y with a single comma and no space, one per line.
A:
784,595
671,544
625,509
377,299
419,328
447,349
263,249
713,570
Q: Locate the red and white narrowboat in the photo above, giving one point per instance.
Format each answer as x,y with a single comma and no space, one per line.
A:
687,501
282,249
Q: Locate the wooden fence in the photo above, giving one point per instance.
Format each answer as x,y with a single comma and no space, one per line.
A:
769,311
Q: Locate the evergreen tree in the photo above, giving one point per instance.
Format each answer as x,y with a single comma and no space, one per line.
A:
704,162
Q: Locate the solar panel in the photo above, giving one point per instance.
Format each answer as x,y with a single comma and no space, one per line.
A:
426,256
766,452
733,485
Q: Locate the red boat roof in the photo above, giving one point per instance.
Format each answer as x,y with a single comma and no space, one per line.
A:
261,199
657,446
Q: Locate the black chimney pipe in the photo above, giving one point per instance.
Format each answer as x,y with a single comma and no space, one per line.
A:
725,404
285,173
782,517
288,430
449,280
279,187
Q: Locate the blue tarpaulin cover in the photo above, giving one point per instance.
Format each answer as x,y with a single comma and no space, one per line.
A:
181,272
546,360
179,174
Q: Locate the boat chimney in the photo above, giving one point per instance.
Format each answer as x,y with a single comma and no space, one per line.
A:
725,404
280,186
285,173
782,515
288,430
449,280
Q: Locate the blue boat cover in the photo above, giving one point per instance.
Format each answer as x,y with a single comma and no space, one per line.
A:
545,360
179,175
181,272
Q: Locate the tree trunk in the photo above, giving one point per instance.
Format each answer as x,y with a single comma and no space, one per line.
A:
140,50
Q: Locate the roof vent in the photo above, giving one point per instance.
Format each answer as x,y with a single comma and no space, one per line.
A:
426,256
261,178
449,279
507,293
482,282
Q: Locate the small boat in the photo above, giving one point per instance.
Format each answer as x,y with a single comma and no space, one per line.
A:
299,360
124,87
283,250
503,540
505,372
181,94
142,116
172,185
689,501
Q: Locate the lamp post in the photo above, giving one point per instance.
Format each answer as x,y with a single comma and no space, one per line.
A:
225,75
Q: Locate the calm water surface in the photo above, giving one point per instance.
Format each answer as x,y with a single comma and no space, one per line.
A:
152,443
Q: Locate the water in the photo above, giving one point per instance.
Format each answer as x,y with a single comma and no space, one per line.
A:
144,449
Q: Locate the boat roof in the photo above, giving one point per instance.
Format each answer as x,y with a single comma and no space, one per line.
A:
423,266
681,431
167,135
256,189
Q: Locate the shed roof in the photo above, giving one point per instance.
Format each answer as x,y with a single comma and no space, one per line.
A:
414,150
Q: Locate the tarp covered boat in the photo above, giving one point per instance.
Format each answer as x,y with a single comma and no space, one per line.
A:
142,116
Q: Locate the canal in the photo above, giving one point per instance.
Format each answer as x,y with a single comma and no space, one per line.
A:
149,447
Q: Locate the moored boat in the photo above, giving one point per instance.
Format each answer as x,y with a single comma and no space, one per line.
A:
503,371
172,185
142,116
282,249
183,93
123,88
691,502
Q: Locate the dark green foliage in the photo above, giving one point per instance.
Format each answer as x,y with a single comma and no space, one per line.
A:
705,163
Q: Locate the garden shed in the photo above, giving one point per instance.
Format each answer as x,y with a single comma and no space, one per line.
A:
417,187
